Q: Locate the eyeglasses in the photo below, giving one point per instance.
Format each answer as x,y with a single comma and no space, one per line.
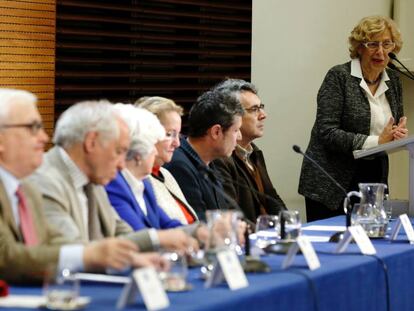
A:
172,134
374,45
34,127
255,109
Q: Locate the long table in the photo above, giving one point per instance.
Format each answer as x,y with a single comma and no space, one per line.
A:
350,281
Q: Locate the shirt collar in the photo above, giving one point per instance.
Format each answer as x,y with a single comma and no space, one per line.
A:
244,153
10,182
356,71
79,178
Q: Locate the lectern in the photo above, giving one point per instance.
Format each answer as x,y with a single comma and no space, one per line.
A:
391,147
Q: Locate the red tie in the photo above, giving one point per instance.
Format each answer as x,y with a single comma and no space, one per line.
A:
26,220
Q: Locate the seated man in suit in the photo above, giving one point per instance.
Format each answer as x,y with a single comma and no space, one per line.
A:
213,129
91,141
29,246
246,169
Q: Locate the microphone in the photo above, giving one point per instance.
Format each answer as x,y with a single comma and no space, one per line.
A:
408,73
282,246
339,235
393,67
250,264
297,149
205,171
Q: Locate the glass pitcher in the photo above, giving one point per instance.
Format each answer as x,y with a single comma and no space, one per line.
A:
370,213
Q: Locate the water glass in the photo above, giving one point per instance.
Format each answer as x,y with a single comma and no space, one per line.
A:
223,229
175,278
61,291
290,221
267,230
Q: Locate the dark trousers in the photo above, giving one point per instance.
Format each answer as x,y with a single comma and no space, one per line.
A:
373,170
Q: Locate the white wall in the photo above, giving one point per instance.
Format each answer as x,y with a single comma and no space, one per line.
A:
294,44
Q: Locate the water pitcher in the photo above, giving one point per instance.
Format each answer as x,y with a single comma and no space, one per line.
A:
370,213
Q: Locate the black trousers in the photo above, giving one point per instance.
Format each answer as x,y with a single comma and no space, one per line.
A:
372,170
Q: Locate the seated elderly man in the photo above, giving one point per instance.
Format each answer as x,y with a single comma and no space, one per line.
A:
29,246
244,174
91,142
213,129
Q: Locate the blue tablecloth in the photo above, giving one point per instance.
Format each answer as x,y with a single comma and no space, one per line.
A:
349,281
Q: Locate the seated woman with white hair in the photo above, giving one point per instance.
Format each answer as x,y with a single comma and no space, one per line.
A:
131,193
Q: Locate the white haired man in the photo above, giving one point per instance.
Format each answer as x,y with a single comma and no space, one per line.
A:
91,142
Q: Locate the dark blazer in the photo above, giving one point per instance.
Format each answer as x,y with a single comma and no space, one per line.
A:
197,181
123,200
342,125
19,263
233,169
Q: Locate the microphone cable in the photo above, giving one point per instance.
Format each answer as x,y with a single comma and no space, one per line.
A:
311,283
382,264
312,286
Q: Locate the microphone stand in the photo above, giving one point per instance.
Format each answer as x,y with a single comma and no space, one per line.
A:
281,246
338,236
250,264
409,74
393,67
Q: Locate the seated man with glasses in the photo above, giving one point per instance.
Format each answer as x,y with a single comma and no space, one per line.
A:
244,174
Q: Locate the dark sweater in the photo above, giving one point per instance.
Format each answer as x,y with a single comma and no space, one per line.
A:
342,125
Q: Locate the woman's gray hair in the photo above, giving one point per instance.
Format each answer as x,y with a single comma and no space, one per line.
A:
9,97
144,127
84,117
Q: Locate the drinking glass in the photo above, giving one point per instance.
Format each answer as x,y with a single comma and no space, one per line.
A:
290,220
223,226
175,278
61,291
267,230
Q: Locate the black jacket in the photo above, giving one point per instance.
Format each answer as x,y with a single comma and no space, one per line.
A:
342,125
198,182
233,169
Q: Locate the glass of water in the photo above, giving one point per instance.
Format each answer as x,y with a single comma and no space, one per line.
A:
61,290
175,279
267,230
290,225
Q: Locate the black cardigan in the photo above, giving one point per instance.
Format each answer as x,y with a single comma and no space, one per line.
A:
342,125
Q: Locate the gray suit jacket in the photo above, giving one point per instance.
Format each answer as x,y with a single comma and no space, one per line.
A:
19,263
61,205
342,125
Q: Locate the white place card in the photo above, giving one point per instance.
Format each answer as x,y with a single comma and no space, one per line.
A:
361,238
232,269
308,252
146,281
405,222
302,243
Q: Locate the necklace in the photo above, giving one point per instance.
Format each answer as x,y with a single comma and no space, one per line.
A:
369,82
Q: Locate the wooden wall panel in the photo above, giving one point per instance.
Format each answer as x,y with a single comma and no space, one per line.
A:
27,51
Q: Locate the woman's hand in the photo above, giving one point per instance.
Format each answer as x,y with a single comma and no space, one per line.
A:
387,134
400,130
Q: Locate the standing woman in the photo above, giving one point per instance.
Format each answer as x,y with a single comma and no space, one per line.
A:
167,191
359,107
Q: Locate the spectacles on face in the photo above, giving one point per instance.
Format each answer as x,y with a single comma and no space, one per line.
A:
255,109
172,134
374,45
34,127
